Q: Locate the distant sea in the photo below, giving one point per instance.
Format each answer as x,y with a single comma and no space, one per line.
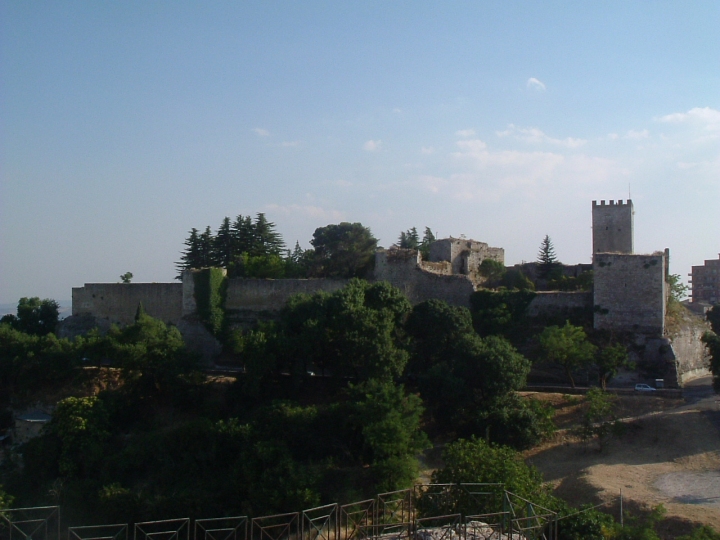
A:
65,308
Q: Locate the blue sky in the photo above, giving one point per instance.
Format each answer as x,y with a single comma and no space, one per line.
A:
124,124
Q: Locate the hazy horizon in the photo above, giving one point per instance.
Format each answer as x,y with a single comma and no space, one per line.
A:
124,125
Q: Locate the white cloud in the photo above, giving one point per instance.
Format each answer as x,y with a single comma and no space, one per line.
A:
637,135
262,132
427,150
535,84
536,136
397,110
465,133
706,116
484,174
372,146
613,136
290,143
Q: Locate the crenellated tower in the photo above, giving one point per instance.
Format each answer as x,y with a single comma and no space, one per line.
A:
612,227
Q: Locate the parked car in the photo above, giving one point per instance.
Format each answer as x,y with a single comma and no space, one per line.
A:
644,388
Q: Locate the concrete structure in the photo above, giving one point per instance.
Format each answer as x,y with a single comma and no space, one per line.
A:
464,255
612,227
630,292
705,282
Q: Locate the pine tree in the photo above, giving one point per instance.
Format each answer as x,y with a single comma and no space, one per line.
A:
191,257
224,244
243,234
428,238
266,241
546,258
409,239
206,242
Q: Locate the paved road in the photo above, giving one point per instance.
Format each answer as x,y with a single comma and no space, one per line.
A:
700,394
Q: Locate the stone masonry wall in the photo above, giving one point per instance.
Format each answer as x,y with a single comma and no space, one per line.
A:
118,302
630,292
465,255
272,294
402,269
612,226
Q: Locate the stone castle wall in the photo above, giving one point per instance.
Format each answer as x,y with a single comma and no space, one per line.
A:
403,269
630,292
118,302
464,255
272,294
612,226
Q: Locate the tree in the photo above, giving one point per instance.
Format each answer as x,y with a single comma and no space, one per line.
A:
207,253
477,461
435,327
546,258
34,316
126,277
567,346
492,270
152,355
224,244
82,426
385,432
192,255
609,360
349,333
678,290
428,238
712,342
516,280
409,239
266,241
599,420
243,234
713,317
345,250
297,262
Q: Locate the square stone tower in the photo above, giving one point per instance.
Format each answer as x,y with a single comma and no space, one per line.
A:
612,226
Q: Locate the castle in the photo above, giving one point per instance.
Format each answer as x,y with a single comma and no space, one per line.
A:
629,295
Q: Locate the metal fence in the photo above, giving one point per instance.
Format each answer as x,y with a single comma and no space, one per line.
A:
425,512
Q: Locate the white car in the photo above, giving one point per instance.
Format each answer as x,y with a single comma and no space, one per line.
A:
644,388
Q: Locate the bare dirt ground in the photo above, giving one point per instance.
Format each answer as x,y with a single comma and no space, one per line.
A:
670,455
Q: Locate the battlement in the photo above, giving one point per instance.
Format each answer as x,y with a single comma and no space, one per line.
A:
612,226
613,203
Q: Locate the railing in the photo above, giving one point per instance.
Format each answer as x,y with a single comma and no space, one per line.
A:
390,516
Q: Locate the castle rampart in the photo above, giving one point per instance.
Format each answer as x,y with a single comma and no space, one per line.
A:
630,292
404,269
464,255
118,302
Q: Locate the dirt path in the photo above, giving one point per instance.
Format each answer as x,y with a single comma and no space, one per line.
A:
671,458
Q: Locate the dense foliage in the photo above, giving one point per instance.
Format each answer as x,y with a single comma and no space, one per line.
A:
568,347
254,249
410,239
34,316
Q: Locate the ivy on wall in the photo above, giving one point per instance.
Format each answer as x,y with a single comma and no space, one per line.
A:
210,291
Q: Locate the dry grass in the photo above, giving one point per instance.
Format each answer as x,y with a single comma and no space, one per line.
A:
671,457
